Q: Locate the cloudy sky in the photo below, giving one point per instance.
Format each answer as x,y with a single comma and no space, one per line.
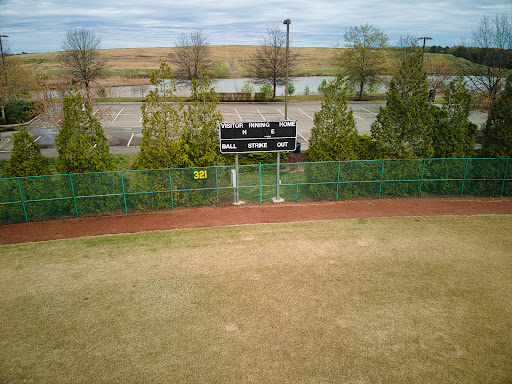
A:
39,26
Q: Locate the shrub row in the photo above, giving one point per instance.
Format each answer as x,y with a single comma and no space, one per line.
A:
234,96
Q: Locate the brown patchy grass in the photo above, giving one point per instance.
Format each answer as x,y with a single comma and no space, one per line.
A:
131,66
311,61
403,300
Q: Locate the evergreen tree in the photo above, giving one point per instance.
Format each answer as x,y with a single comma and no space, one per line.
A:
81,142
175,137
202,123
453,134
498,128
26,158
403,129
334,134
162,125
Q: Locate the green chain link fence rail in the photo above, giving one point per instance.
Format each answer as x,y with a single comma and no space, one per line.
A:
72,195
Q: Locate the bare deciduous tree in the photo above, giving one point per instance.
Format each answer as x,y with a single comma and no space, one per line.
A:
51,91
491,58
438,72
191,52
407,46
269,63
80,55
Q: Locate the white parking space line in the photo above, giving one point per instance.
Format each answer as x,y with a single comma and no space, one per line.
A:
364,109
117,115
306,140
360,118
38,137
240,117
298,133
305,113
95,111
140,121
129,141
261,114
4,142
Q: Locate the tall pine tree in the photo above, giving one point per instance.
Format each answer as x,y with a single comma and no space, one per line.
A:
81,141
162,125
403,129
454,136
334,134
26,158
202,123
498,128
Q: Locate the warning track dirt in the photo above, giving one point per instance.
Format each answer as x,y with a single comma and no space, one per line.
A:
253,214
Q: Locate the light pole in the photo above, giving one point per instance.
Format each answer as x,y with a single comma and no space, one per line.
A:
423,51
287,22
278,198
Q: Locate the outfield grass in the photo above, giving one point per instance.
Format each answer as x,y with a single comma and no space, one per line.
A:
402,300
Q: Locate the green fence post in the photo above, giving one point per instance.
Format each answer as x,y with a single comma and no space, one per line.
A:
381,177
22,200
260,187
464,178
124,193
73,191
422,173
297,189
217,184
338,180
170,184
504,178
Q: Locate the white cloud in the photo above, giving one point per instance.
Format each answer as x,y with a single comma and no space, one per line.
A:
35,26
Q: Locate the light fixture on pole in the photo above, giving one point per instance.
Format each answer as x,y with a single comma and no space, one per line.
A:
423,51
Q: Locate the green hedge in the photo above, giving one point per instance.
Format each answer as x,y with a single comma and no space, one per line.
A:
234,96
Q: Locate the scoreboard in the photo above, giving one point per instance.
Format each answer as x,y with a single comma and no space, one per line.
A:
258,136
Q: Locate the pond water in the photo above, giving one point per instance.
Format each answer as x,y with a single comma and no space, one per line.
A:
300,84
235,85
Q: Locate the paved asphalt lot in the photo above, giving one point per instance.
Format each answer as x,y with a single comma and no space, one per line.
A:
123,124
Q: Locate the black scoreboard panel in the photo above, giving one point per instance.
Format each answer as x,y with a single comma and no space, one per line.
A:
258,136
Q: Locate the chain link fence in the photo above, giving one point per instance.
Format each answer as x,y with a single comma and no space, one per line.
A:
105,193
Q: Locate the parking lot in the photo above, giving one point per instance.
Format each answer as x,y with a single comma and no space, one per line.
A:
123,122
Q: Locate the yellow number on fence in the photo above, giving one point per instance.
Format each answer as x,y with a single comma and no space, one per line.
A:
200,174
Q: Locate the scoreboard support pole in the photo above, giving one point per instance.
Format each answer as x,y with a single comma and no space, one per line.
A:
278,198
278,177
237,183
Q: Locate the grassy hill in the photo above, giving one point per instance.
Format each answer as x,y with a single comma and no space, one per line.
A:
131,66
